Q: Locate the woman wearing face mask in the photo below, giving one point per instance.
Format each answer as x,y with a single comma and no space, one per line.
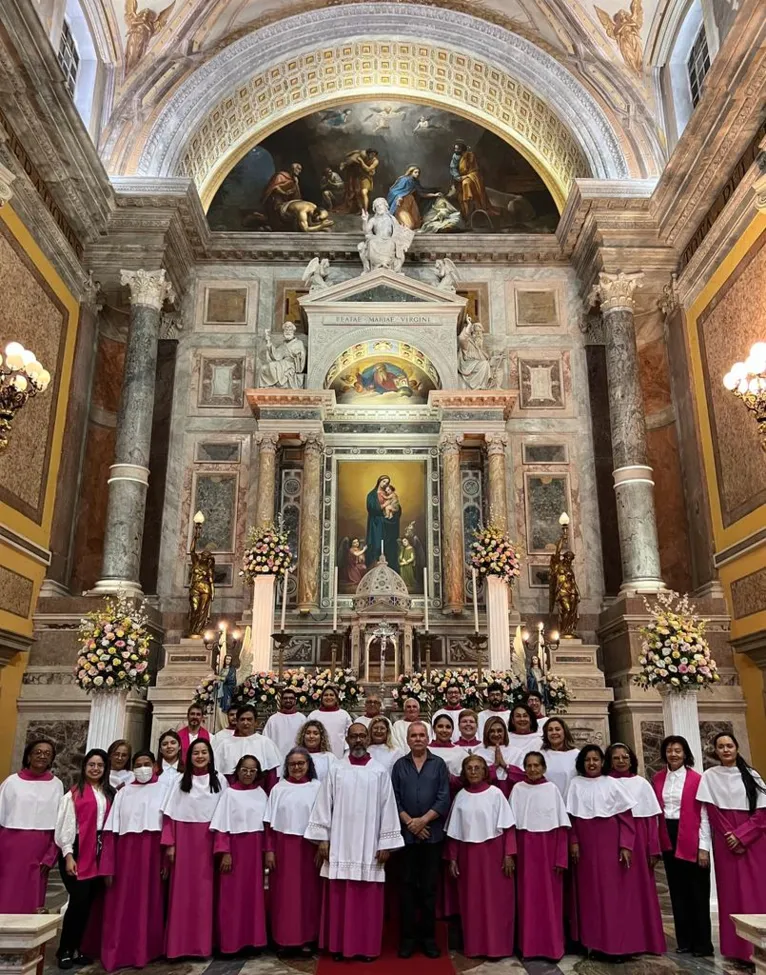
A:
119,753
560,753
189,806
542,838
237,826
382,747
640,900
523,730
292,861
481,843
29,802
600,845
313,737
334,718
81,816
504,760
685,835
734,796
132,861
169,750
443,746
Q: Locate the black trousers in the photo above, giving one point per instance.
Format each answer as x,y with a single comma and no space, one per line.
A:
82,894
689,886
420,864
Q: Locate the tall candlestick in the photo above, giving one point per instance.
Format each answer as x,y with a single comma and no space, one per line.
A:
284,600
335,604
425,598
541,646
333,659
475,600
382,552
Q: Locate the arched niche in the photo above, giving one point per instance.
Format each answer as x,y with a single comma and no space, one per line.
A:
382,372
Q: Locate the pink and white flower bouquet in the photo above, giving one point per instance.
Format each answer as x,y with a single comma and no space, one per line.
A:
492,553
413,685
114,647
675,654
267,553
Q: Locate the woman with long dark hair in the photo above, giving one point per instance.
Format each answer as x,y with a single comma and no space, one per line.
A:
685,835
336,720
292,861
314,738
523,729
81,817
170,766
29,802
189,806
640,900
132,863
734,796
444,747
560,753
600,845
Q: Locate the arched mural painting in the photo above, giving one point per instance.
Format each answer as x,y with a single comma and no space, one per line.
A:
382,373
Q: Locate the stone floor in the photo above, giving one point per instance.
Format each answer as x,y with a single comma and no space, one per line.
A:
268,964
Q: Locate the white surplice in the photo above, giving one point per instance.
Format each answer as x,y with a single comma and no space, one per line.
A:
231,749
282,729
399,733
484,717
356,813
453,714
336,724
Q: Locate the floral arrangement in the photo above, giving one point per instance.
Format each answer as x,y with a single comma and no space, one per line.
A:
493,554
114,647
261,690
300,682
556,694
412,685
675,653
473,690
206,693
345,681
267,553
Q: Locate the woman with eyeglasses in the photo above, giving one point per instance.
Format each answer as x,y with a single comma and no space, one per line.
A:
292,861
188,809
81,817
132,863
29,802
734,795
238,828
120,754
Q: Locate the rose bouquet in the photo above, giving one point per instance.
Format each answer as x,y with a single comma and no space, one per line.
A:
557,698
345,681
114,647
674,652
206,693
301,683
261,690
493,554
267,553
412,685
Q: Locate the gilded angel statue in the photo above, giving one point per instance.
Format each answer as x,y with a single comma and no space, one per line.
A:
142,25
625,28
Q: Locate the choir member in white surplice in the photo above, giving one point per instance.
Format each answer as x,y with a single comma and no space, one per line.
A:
246,741
283,727
373,708
356,823
411,709
334,718
453,705
498,707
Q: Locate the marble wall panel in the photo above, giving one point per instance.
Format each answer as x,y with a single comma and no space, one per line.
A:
107,376
653,732
536,307
748,594
216,496
15,592
221,381
670,507
654,375
226,306
546,495
91,516
727,328
544,453
544,381
69,737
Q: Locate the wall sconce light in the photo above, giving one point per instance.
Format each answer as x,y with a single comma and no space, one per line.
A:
747,380
21,376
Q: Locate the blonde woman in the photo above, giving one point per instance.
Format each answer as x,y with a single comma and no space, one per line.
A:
382,747
314,738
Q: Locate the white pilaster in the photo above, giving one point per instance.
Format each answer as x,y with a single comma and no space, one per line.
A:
263,621
497,623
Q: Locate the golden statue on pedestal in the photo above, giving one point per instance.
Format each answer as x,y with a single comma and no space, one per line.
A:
562,586
201,583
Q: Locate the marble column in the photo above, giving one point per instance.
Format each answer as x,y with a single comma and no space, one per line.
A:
311,523
453,558
267,478
633,484
498,505
129,474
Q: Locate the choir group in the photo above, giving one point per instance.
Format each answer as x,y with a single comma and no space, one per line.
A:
496,820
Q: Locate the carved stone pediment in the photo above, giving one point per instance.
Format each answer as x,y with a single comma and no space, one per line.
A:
378,292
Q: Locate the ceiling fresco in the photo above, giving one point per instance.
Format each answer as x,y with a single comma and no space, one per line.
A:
440,173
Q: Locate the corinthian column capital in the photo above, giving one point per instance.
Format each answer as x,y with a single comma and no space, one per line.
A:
148,287
313,443
6,179
615,291
267,442
449,443
496,443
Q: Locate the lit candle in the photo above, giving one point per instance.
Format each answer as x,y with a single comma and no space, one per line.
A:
425,598
475,600
284,600
335,604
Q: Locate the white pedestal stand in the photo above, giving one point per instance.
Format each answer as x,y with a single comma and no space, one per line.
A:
497,624
263,621
108,710
681,717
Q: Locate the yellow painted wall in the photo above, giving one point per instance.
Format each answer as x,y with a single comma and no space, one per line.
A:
11,558
751,677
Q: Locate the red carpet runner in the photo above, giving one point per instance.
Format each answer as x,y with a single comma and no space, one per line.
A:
389,963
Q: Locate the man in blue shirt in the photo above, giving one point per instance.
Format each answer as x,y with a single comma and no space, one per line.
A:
421,787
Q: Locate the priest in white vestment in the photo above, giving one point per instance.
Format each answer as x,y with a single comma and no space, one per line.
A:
335,720
356,824
402,726
283,726
246,741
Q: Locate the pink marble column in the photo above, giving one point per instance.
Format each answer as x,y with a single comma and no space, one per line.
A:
453,557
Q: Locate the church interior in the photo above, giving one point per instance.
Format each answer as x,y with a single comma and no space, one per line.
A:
375,275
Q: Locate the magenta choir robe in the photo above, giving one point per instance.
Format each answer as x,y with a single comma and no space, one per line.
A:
480,835
28,810
740,875
542,840
238,828
132,855
191,891
294,920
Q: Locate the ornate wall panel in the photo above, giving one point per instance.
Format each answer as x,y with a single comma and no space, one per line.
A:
216,496
15,592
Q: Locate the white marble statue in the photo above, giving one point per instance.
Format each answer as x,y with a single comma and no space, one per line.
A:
315,275
386,241
476,368
447,274
283,365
